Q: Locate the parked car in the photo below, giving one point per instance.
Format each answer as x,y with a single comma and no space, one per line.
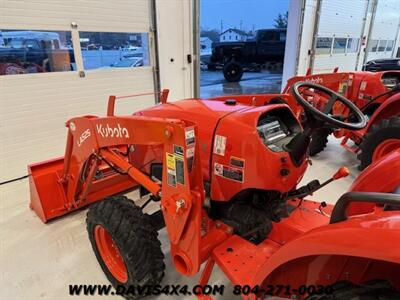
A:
128,63
267,47
384,64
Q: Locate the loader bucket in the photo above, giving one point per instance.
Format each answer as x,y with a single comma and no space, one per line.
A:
47,193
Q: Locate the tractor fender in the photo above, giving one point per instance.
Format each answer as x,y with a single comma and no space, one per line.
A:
379,176
366,238
390,108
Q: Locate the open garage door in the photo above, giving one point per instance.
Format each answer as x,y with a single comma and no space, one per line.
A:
339,33
63,59
384,30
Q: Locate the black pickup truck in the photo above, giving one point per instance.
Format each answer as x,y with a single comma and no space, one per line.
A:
267,48
32,56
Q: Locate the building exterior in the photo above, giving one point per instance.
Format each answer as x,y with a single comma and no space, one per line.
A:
205,43
232,35
325,34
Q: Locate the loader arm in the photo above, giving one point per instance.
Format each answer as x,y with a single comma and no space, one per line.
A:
93,168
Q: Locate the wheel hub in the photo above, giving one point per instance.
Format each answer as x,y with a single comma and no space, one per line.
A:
110,254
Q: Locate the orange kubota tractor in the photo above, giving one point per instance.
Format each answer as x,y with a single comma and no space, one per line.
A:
377,95
226,173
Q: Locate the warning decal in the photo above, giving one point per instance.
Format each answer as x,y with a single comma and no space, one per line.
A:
363,86
190,157
178,150
171,169
170,161
219,144
189,136
180,171
237,162
342,88
229,172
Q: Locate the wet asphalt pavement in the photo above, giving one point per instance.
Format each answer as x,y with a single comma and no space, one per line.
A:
213,83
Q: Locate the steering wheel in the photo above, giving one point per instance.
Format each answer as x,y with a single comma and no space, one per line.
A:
324,113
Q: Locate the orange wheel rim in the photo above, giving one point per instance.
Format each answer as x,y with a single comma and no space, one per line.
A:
110,254
385,147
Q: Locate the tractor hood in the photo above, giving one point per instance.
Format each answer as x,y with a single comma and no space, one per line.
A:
241,146
248,152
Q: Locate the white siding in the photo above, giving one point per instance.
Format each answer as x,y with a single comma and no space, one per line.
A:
341,19
99,15
34,107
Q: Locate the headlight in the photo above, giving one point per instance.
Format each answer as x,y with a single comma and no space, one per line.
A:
272,131
398,62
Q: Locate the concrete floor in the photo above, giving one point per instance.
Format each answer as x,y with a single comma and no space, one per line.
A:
39,261
213,83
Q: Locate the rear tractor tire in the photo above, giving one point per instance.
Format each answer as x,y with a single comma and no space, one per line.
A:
233,71
319,140
381,139
125,244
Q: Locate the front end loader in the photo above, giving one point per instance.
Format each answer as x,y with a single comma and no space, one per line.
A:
225,173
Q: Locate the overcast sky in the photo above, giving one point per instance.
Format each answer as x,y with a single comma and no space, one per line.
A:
260,13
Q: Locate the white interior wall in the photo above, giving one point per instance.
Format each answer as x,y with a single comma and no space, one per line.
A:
34,107
306,40
175,42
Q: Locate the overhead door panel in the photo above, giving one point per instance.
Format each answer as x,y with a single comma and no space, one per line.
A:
35,106
384,30
99,15
339,35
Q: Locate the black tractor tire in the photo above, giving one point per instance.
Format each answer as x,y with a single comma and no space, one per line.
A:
373,290
319,140
233,71
378,133
136,240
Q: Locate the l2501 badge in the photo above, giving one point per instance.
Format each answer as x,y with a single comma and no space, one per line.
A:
229,172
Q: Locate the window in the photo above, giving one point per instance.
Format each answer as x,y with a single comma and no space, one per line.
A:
223,38
268,36
34,51
323,45
282,36
382,45
339,45
373,45
352,45
389,45
105,50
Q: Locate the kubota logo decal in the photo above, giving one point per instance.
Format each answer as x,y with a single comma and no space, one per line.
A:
316,80
108,131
